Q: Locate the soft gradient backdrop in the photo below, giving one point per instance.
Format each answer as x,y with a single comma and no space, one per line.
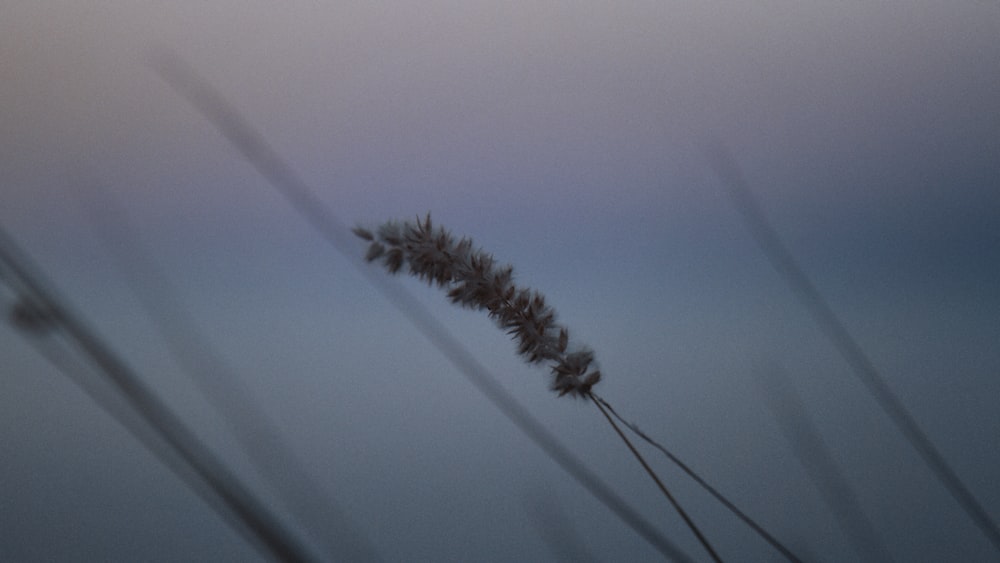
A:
569,139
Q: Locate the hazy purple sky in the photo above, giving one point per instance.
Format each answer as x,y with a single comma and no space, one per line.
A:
570,139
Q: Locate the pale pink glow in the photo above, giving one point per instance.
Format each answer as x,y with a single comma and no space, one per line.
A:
443,92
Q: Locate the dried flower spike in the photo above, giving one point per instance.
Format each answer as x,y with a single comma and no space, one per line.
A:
472,279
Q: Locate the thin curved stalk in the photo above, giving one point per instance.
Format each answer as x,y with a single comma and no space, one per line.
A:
774,542
663,488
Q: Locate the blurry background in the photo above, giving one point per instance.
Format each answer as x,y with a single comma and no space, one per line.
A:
569,139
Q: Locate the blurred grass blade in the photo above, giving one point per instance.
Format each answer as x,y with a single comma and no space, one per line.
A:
812,451
175,445
312,209
256,434
809,296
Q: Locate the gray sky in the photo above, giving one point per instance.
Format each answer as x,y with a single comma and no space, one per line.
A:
569,139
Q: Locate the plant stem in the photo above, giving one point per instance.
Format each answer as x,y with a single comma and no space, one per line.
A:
659,483
787,553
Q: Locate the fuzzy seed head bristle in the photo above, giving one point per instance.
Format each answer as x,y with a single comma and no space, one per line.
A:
363,233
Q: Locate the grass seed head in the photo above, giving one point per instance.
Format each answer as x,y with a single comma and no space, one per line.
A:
473,280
